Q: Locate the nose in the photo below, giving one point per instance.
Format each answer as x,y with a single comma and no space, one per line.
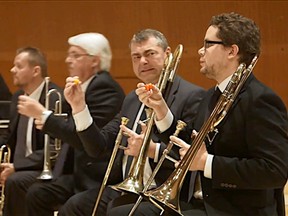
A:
201,51
68,59
12,70
143,60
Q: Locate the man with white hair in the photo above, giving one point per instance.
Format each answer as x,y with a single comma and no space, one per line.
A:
88,59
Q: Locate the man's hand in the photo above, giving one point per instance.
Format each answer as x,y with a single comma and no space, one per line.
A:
151,96
30,107
6,170
135,141
74,94
200,158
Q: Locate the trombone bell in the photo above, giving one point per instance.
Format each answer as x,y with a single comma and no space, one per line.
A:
130,184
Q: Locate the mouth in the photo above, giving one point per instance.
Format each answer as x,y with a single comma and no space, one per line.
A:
146,70
70,68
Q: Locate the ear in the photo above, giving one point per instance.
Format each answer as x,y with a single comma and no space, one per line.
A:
96,61
36,71
168,50
234,50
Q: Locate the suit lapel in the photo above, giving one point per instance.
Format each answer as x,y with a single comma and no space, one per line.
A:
244,88
133,111
173,91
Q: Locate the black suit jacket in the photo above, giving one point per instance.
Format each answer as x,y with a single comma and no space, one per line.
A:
104,98
183,100
5,93
250,164
35,160
5,97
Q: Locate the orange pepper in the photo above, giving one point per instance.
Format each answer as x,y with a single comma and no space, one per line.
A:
76,81
149,86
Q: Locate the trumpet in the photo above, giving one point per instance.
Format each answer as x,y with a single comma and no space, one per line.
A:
53,154
5,155
134,182
166,197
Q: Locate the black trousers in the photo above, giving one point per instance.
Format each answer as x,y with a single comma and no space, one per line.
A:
122,206
16,187
44,198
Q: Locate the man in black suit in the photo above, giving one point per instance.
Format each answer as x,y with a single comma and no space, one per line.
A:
26,142
89,60
243,165
148,50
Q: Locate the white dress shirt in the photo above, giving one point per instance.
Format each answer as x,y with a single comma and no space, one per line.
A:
36,96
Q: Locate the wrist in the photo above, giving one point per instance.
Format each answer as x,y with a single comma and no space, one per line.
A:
161,112
78,108
44,115
39,112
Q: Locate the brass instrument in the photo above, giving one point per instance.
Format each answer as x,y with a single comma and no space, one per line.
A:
179,127
167,195
48,153
5,155
134,182
124,121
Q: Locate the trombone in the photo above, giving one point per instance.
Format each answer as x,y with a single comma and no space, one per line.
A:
124,121
5,155
168,193
134,182
47,172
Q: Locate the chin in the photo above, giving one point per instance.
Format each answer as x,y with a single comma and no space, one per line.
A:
72,73
203,71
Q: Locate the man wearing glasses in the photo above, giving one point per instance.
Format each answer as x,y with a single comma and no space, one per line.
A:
89,60
243,168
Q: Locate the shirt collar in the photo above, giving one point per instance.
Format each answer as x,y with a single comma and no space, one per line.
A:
224,83
84,85
37,92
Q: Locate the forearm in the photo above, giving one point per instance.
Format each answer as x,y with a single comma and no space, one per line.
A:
65,130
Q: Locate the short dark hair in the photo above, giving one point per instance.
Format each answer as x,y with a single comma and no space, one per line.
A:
36,58
145,34
236,29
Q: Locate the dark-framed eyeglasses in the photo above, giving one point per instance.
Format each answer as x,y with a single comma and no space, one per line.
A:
209,43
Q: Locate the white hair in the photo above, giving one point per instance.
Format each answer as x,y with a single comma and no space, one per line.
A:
94,44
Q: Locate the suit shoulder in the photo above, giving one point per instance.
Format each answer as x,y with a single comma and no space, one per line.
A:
189,87
131,96
258,92
104,78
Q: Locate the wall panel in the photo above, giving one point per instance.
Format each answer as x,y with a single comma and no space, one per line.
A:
47,25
